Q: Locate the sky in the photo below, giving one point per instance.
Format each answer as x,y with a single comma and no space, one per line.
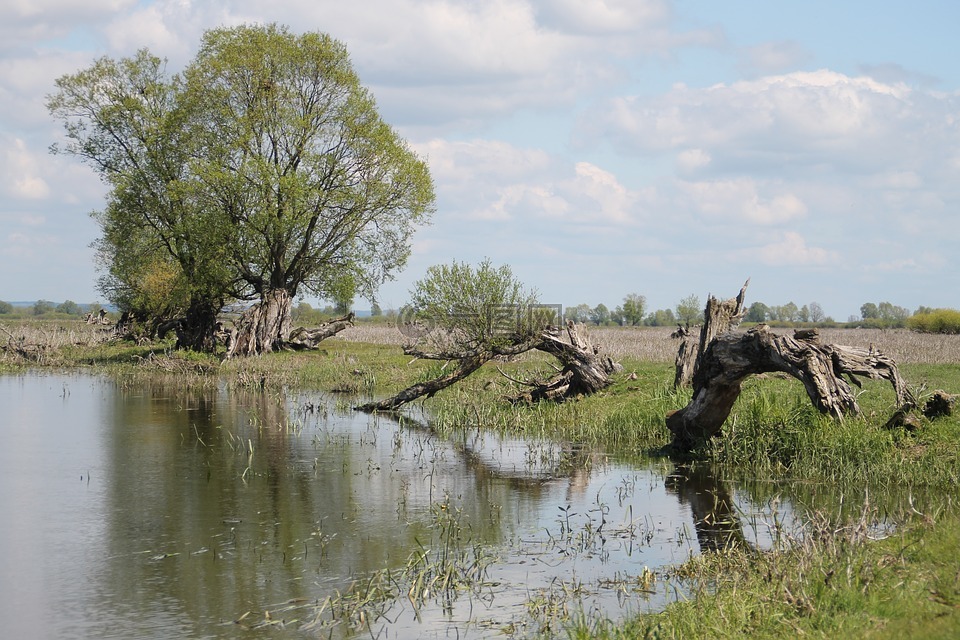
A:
599,147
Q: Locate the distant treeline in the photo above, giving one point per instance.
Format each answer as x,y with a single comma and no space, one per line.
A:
689,311
632,313
47,308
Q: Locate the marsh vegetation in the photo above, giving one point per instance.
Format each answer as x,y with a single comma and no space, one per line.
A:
275,506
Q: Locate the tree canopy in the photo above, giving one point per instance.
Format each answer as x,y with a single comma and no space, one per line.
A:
262,171
473,308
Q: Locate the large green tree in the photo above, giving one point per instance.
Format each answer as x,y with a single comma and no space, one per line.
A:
633,308
689,310
262,171
126,118
320,192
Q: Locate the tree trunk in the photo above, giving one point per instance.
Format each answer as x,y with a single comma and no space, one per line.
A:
584,371
731,357
718,317
197,330
264,327
302,338
464,368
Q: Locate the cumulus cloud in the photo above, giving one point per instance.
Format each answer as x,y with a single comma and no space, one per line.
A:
493,180
661,178
20,172
797,119
739,200
791,250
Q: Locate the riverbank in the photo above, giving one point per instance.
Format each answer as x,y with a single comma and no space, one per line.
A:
837,579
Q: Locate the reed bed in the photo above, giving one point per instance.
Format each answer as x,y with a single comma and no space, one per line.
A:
42,342
654,344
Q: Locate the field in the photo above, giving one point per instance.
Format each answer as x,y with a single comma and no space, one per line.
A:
839,578
654,344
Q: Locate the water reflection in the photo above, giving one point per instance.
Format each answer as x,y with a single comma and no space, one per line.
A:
715,516
149,509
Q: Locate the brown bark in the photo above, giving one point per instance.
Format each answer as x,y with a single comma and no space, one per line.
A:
197,330
718,317
465,366
584,371
729,358
264,327
302,338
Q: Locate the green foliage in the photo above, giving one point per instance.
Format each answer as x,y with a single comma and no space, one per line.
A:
600,315
42,307
758,312
578,313
884,315
69,307
161,249
689,310
477,307
935,321
264,166
662,318
333,184
632,310
5,307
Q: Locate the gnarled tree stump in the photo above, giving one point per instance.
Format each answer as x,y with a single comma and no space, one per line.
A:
302,338
731,357
718,317
584,371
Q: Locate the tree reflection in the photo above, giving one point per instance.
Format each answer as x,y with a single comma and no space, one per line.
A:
714,514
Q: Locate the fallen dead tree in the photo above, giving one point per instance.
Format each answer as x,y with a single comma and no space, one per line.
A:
583,370
732,357
726,359
302,338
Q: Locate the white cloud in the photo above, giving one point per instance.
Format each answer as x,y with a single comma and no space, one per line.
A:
598,197
20,172
791,250
772,57
739,200
737,165
798,119
493,180
24,22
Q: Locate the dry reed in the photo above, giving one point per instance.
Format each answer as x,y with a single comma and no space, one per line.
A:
654,344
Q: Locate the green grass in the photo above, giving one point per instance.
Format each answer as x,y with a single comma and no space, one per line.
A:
835,583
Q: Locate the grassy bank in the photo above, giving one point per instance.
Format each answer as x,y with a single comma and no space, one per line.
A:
835,582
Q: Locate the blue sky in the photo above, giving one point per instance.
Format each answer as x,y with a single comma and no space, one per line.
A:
600,148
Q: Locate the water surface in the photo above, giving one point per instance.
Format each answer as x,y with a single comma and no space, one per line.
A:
146,509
